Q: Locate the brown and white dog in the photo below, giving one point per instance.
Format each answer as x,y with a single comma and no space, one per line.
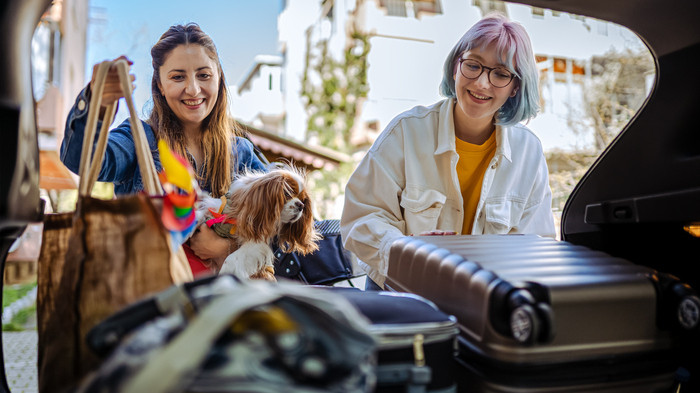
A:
259,207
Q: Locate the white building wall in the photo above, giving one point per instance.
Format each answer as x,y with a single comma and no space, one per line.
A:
69,18
262,94
407,55
569,37
292,25
338,38
74,22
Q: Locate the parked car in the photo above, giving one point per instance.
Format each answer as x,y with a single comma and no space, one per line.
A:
638,201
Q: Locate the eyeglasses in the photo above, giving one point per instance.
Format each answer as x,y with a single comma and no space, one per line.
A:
498,76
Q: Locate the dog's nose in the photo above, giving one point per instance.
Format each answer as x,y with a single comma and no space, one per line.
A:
299,205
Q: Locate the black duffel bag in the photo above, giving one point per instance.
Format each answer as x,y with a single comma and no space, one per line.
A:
332,263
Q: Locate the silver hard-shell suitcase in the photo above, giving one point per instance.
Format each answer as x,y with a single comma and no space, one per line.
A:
536,314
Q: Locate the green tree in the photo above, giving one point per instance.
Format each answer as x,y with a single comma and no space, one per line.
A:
615,91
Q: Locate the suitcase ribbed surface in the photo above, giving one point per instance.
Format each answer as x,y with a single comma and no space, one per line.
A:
587,304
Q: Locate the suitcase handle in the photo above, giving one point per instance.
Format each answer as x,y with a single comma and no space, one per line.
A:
522,313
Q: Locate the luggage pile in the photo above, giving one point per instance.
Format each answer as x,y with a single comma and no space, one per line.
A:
221,334
491,313
537,314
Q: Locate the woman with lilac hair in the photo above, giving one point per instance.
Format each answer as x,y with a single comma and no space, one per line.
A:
463,165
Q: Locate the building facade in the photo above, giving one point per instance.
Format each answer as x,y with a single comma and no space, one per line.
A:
409,41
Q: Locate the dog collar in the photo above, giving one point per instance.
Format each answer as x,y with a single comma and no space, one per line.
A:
222,224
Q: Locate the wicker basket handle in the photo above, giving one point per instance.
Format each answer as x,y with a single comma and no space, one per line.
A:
90,167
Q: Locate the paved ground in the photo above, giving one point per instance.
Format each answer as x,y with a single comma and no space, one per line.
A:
20,350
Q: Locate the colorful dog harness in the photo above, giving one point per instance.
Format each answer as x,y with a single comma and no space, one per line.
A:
222,224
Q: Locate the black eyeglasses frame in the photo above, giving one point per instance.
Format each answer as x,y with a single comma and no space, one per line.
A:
488,75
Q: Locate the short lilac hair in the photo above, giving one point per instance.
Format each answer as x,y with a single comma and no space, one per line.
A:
513,44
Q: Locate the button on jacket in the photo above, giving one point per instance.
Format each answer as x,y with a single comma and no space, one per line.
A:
407,183
120,165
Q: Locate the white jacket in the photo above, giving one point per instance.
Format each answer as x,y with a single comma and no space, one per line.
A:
407,183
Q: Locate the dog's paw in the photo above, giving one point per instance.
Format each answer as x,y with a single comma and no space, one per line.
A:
249,259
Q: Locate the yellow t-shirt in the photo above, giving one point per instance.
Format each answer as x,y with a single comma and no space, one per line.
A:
472,164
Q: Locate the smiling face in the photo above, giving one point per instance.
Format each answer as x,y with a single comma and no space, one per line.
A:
477,99
189,81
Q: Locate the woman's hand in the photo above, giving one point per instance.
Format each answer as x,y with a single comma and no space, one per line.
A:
209,246
436,233
112,88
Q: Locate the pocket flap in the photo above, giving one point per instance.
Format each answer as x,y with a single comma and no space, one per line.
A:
415,200
504,212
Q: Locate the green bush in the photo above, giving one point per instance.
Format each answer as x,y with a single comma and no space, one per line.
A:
12,293
19,320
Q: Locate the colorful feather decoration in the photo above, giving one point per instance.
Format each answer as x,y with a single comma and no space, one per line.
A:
180,186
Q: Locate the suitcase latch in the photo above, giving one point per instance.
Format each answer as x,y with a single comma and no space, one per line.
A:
418,353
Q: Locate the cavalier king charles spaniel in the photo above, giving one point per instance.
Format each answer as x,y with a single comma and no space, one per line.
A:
261,207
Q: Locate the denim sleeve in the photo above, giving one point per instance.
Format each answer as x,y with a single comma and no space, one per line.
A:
72,143
119,163
246,157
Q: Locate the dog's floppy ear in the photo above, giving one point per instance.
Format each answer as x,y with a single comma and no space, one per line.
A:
258,207
300,236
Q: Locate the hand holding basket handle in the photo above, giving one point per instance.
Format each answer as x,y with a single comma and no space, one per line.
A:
90,168
113,90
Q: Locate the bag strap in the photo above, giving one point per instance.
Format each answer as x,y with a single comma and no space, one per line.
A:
90,164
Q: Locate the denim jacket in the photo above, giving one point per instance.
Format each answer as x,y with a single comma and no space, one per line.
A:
407,183
120,166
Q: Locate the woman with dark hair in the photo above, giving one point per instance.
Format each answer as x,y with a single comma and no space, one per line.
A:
190,112
463,165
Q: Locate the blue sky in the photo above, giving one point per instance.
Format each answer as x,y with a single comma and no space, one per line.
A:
241,29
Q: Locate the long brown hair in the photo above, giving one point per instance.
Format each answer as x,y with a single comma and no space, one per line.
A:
217,128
